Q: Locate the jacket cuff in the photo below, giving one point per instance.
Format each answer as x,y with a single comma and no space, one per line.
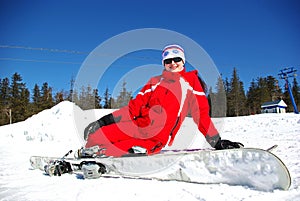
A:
213,140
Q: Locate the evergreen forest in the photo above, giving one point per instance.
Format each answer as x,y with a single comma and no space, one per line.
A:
17,102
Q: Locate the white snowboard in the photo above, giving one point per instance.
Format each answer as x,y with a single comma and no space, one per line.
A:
255,168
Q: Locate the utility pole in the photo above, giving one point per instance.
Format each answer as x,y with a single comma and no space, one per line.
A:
10,119
8,113
285,74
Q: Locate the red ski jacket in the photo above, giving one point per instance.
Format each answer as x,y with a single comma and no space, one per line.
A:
161,106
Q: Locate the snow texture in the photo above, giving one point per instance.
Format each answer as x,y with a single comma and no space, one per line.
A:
55,131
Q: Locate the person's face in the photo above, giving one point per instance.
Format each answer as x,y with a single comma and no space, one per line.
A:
174,64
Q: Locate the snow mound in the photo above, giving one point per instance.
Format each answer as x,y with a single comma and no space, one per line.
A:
62,123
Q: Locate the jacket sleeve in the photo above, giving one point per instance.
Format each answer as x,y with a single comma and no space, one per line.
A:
199,109
137,107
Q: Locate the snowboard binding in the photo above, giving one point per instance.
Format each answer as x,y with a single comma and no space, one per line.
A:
57,168
92,170
91,152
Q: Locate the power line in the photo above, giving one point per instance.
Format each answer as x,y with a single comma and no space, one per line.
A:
43,49
39,61
69,51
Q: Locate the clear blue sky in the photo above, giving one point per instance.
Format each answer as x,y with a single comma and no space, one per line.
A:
258,37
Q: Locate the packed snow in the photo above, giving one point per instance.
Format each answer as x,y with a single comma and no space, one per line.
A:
55,131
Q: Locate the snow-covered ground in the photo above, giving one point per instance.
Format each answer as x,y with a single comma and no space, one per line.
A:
59,129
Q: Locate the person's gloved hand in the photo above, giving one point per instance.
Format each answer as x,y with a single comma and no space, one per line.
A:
219,144
103,121
227,144
91,128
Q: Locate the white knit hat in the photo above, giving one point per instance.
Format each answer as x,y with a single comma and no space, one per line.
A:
172,51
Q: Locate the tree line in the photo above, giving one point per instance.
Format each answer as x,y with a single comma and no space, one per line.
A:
261,90
17,103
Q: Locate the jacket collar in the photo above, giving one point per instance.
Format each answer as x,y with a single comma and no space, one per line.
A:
171,76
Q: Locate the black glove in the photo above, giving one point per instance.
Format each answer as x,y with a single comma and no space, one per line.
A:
220,144
103,121
226,144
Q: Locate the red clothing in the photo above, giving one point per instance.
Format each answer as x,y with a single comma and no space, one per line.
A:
153,118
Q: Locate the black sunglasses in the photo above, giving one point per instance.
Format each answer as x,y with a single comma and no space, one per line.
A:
176,59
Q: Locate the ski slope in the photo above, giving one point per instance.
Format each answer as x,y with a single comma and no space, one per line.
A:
59,129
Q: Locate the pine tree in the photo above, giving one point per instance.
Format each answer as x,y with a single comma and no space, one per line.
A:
112,102
4,101
4,92
236,100
286,98
82,100
218,100
46,96
88,98
59,97
272,85
75,97
263,90
19,99
97,99
226,86
107,100
25,103
253,100
124,97
37,99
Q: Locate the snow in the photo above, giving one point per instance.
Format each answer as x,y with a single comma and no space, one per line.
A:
59,129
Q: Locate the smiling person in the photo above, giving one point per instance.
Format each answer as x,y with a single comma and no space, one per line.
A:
152,119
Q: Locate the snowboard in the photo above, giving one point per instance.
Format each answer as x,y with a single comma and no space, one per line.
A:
251,167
